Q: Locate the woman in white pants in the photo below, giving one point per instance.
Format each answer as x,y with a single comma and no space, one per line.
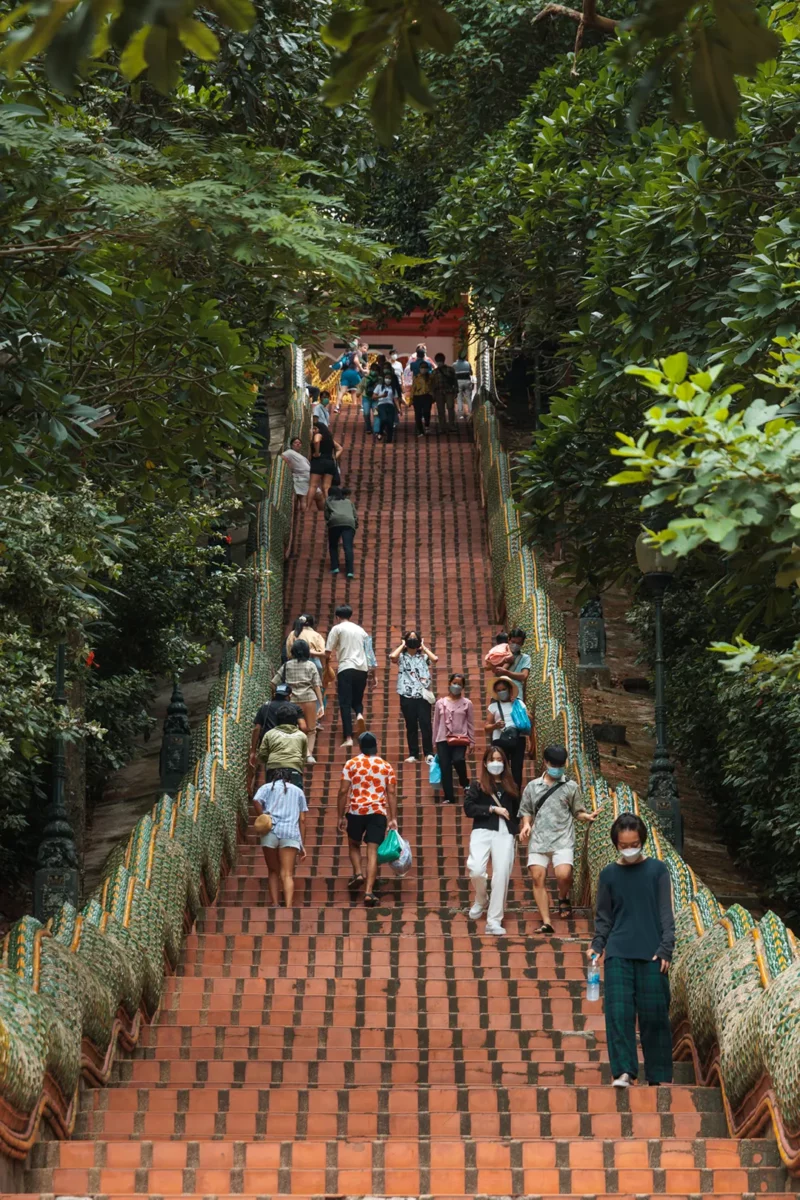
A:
492,801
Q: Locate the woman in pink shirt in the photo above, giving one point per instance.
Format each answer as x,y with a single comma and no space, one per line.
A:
454,734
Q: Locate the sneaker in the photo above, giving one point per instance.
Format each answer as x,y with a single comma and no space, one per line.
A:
361,724
495,930
623,1080
347,745
311,760
350,575
476,911
335,571
412,758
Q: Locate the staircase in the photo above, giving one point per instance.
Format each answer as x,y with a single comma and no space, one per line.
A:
331,1051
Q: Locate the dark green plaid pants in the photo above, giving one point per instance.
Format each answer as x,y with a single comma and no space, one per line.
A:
636,988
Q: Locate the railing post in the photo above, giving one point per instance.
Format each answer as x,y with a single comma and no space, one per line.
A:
175,743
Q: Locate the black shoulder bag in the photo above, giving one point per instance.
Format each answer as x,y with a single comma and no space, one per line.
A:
547,796
509,737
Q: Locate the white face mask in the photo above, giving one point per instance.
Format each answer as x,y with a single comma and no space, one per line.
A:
631,852
495,768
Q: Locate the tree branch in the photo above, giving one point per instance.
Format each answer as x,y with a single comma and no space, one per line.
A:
588,18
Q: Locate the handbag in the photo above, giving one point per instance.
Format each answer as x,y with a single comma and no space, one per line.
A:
519,715
263,824
434,773
428,695
390,848
458,740
508,739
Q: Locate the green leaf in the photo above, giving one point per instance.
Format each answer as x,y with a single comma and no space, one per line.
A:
163,52
714,91
339,30
747,40
387,103
675,367
239,14
412,78
132,60
198,38
439,28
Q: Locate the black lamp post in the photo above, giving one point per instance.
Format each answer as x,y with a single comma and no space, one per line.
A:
56,880
662,792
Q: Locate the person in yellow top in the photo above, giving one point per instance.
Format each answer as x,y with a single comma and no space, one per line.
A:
422,398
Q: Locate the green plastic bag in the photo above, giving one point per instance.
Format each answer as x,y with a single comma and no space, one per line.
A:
390,848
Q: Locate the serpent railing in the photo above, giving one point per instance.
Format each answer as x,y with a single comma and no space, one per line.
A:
735,981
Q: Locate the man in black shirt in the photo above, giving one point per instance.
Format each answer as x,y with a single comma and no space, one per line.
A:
264,720
635,929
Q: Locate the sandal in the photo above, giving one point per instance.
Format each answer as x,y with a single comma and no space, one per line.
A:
565,908
356,882
371,900
546,928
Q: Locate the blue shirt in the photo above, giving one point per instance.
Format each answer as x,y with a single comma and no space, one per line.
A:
521,663
284,802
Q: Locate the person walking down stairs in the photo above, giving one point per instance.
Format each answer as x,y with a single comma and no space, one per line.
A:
414,661
454,734
491,801
635,930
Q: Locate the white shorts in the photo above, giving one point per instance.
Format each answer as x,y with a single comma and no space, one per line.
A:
559,858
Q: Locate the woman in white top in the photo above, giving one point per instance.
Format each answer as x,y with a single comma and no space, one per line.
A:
306,685
414,689
500,723
305,628
301,475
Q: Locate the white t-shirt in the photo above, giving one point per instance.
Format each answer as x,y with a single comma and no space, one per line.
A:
383,394
349,642
397,367
301,471
501,712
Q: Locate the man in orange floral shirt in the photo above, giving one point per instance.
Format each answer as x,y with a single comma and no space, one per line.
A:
367,806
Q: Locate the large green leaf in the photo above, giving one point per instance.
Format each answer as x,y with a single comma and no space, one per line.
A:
714,92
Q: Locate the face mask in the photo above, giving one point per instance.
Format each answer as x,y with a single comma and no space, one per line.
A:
325,402
556,772
455,689
387,380
495,768
413,643
631,853
504,695
515,650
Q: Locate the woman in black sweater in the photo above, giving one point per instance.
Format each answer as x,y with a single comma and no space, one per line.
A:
492,801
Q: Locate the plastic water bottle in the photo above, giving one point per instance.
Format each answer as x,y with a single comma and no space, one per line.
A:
593,981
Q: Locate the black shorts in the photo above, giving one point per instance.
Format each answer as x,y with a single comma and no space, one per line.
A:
370,829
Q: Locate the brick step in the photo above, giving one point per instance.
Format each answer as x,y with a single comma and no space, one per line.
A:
213,1096
349,919
380,988
252,966
331,888
268,1072
356,1043
373,1196
251,1120
511,1167
428,1196
223,1013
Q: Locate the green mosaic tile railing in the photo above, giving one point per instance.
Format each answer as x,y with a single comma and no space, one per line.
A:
74,992
735,981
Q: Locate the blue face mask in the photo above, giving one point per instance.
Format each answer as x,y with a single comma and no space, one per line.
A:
556,772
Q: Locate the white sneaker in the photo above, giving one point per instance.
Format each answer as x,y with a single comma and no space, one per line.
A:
476,911
623,1080
310,760
411,758
348,745
497,930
